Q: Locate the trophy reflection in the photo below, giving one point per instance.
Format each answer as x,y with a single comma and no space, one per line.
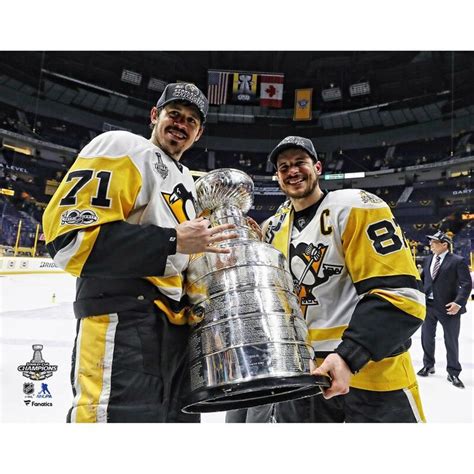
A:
249,343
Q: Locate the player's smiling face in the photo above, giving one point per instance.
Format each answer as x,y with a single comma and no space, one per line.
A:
297,173
176,128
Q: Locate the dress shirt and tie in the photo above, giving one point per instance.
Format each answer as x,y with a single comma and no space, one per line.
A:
434,268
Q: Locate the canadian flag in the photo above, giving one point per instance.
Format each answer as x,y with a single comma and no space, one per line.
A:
271,90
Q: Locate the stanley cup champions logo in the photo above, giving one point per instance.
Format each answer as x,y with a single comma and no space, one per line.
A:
37,368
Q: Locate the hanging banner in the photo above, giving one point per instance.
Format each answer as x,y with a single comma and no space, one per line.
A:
271,90
217,87
303,104
244,87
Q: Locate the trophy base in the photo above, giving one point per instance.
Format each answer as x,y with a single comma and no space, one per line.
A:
255,392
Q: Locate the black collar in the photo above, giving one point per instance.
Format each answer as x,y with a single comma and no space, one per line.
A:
303,217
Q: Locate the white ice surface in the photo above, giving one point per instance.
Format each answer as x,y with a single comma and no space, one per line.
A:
37,309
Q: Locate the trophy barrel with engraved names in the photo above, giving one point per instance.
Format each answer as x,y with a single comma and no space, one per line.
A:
249,344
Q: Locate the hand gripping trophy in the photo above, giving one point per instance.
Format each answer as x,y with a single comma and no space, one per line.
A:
249,342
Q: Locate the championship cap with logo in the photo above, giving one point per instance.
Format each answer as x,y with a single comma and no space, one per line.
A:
186,92
441,236
293,142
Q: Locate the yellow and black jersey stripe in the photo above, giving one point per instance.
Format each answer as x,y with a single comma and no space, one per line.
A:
359,289
115,212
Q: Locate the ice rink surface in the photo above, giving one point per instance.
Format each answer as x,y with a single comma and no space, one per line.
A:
37,309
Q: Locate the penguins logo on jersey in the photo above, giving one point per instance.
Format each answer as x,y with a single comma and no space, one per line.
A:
179,201
309,271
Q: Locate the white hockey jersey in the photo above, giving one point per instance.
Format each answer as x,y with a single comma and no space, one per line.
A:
120,180
355,278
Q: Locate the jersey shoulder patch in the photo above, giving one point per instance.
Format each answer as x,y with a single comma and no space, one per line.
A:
356,198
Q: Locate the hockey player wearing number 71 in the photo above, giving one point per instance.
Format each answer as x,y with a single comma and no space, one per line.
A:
123,221
359,291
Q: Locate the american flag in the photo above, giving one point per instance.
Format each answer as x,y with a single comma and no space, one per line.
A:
217,87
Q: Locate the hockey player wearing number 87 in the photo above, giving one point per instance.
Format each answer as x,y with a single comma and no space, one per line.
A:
360,293
123,222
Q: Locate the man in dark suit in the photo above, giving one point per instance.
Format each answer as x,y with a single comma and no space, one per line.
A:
447,284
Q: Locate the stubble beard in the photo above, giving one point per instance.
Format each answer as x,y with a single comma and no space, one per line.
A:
172,149
304,193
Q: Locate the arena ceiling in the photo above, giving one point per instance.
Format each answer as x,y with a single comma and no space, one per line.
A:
393,75
406,87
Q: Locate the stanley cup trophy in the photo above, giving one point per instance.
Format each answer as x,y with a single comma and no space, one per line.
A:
37,356
249,344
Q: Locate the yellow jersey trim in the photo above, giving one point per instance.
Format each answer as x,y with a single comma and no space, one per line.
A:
366,263
90,375
325,334
77,261
178,318
407,305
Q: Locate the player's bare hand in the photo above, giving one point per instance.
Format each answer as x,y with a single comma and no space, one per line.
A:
196,236
334,366
255,227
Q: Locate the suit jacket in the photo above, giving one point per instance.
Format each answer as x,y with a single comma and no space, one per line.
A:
452,282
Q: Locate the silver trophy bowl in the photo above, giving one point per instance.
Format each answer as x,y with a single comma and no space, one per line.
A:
248,345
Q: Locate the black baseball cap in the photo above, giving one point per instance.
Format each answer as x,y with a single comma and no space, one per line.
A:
186,92
293,142
441,236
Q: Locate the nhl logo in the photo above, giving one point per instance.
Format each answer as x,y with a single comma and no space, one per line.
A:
28,388
301,222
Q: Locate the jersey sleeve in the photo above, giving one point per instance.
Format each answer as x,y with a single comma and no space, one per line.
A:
85,222
391,305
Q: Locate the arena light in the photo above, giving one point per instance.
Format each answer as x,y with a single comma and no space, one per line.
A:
156,84
334,93
131,77
361,88
24,150
333,176
357,174
7,192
